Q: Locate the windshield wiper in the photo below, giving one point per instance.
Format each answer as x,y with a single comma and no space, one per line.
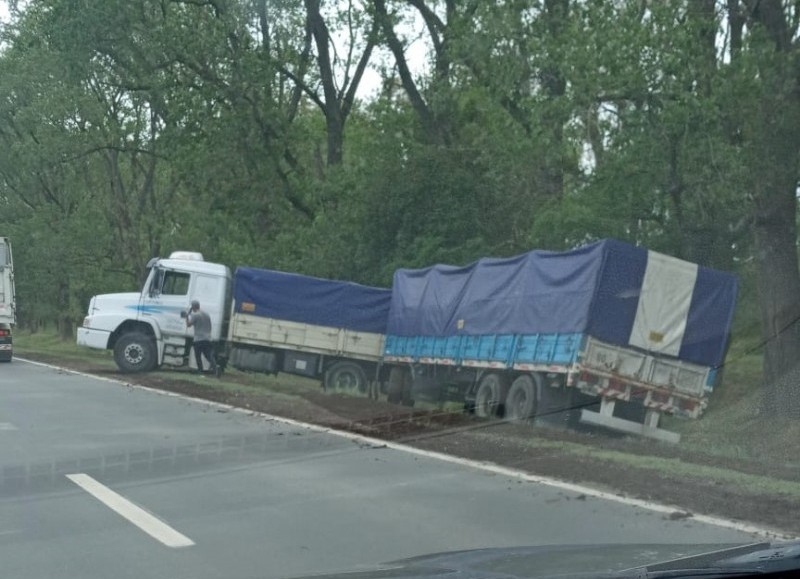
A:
749,560
704,572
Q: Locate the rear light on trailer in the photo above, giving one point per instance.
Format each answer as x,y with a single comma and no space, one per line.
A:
4,333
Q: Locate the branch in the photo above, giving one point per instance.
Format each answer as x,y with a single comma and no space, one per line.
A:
417,102
261,8
294,103
736,23
219,10
349,98
25,201
322,39
432,21
293,199
771,16
350,49
303,86
100,148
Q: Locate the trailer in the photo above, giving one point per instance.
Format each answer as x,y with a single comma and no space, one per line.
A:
308,326
608,334
8,306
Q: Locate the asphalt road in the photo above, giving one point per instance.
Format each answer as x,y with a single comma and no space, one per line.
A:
101,480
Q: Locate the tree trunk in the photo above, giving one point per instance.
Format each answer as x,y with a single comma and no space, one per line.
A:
555,86
777,140
65,322
779,288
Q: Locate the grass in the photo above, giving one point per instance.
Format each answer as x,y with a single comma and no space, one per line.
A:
733,425
755,484
49,344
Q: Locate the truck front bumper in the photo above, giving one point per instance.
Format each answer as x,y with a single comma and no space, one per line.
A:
93,338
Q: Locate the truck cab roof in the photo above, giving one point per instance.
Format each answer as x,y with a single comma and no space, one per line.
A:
192,265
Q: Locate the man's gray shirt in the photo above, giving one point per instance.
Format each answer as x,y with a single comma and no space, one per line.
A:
201,322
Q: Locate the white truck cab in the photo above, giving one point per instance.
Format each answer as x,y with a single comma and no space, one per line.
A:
145,330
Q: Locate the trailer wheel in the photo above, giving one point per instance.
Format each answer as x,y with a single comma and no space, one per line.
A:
490,395
521,399
347,378
394,391
135,352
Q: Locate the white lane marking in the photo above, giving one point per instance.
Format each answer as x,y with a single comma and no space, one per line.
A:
7,426
151,525
490,467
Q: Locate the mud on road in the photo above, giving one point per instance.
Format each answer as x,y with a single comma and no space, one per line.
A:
576,457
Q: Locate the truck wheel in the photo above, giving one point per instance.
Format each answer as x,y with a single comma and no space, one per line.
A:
521,399
394,391
346,377
135,352
491,393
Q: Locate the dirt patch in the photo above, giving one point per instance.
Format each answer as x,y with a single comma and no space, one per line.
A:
537,450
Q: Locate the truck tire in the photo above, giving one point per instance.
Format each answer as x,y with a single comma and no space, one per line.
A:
490,395
135,352
407,398
521,401
347,378
394,390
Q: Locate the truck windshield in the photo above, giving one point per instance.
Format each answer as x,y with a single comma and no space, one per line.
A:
156,280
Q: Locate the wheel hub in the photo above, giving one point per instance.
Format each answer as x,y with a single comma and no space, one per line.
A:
345,380
134,354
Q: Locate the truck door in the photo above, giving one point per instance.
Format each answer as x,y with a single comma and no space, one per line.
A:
211,292
164,300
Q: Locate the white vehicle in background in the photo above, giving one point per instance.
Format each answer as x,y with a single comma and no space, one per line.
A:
7,300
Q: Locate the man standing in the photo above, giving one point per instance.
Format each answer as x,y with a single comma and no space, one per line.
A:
201,322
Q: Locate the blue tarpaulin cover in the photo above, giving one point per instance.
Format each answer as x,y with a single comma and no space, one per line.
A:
594,290
311,300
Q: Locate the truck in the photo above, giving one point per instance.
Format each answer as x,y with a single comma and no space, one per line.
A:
8,306
262,320
608,334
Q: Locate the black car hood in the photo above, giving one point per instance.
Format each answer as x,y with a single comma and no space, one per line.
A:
582,561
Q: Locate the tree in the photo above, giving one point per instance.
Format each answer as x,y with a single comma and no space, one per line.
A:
766,64
337,103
